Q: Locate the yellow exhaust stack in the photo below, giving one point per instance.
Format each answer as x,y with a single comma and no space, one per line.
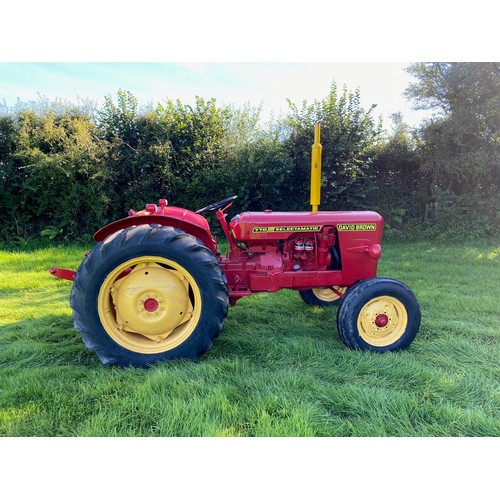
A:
316,170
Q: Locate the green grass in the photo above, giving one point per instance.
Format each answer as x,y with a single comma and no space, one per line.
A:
279,367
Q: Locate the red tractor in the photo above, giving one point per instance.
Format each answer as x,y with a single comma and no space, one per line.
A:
156,287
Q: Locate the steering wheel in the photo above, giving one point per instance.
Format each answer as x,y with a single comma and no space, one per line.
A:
216,205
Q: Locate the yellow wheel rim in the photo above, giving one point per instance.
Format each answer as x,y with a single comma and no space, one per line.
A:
382,321
329,295
149,305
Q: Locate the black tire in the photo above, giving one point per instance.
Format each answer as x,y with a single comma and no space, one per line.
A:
323,297
172,253
380,315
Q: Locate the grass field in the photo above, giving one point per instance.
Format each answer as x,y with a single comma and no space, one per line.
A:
279,367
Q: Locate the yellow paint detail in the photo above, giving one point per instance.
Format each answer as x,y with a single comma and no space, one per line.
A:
356,227
122,311
316,170
397,317
328,295
285,229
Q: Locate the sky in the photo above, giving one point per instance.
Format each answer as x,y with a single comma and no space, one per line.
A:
266,84
58,49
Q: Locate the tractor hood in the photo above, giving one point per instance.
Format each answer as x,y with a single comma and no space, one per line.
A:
280,225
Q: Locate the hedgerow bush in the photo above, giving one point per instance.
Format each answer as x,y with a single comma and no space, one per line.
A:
66,169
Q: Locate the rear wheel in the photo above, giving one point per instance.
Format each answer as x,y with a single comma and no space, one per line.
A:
148,294
379,314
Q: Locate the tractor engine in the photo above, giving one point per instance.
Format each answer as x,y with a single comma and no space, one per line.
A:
308,251
301,241
274,250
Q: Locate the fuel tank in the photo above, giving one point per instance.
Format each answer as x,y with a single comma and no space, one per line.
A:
268,225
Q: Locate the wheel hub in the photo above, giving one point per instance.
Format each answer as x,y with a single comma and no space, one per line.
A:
151,305
382,321
151,301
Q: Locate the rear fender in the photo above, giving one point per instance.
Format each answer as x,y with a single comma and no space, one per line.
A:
202,233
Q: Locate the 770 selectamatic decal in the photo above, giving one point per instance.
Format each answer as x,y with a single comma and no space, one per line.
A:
356,227
284,229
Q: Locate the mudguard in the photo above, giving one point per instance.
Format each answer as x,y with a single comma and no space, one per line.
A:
183,219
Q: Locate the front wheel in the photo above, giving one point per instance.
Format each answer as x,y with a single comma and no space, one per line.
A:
331,296
379,314
148,294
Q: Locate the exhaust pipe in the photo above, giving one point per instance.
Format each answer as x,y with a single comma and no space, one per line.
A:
315,199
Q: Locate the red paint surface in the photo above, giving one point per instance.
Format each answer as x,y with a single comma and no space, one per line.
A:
181,218
243,224
298,255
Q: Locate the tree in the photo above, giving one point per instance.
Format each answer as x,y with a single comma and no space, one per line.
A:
350,138
459,148
118,128
56,172
11,178
400,186
460,144
197,135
